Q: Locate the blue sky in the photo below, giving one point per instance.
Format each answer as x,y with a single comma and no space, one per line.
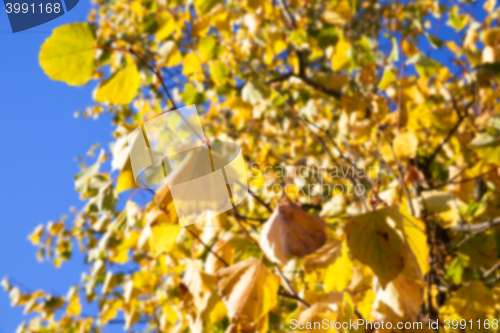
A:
39,142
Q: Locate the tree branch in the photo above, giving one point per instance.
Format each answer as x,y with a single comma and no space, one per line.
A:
207,247
287,14
466,180
289,103
461,118
398,163
330,92
477,227
294,295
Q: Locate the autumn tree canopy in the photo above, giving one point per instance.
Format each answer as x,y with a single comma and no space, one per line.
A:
374,88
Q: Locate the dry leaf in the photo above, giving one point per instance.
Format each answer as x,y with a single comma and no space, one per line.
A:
248,290
223,250
290,231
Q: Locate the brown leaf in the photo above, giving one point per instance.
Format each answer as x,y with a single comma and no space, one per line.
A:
248,290
223,250
290,231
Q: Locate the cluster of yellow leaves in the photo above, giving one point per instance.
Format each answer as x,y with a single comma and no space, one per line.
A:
307,85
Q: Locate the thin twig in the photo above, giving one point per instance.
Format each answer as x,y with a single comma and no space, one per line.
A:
158,75
398,163
477,227
491,270
290,288
245,231
461,118
259,199
325,147
208,247
466,180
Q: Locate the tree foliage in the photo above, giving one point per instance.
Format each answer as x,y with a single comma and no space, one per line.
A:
333,84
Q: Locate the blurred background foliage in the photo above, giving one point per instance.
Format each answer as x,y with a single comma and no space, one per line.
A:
334,84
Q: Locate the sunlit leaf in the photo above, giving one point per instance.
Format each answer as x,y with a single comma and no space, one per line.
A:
68,54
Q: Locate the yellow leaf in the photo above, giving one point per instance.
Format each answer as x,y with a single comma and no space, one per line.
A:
68,54
409,49
312,319
491,37
36,235
368,74
365,304
136,8
277,42
340,58
404,296
110,310
388,78
207,47
224,251
489,5
416,240
126,179
438,202
131,318
164,237
202,287
74,307
338,13
222,22
167,26
205,6
191,64
145,281
248,290
129,291
54,228
218,72
373,240
462,190
323,257
473,301
406,145
119,255
109,283
121,87
201,26
339,274
290,231
169,55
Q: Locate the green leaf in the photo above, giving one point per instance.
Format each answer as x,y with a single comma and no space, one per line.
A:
427,67
493,68
375,242
484,140
191,96
121,87
82,179
207,48
126,179
394,56
388,78
218,72
254,92
456,268
327,37
435,42
68,54
204,6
